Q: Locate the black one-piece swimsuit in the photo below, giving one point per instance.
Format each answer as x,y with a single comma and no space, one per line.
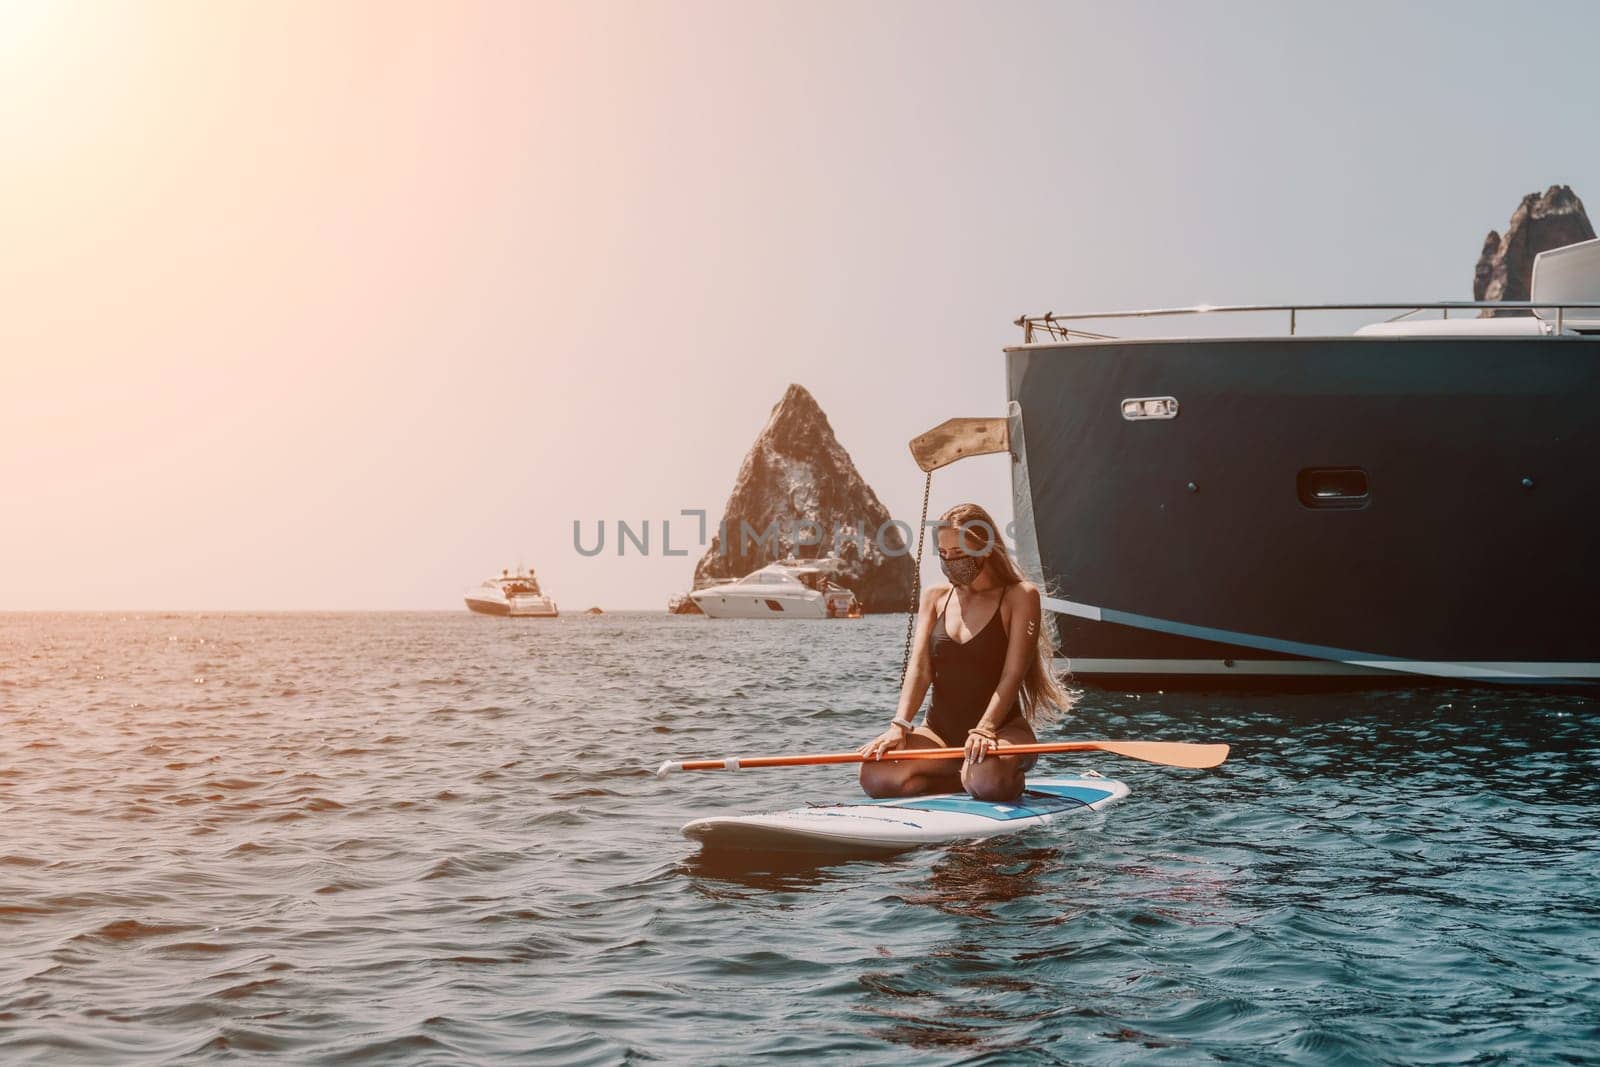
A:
965,676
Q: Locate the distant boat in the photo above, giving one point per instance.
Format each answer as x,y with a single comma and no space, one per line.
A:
788,589
516,595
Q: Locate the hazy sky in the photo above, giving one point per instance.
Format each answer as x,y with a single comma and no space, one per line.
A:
340,305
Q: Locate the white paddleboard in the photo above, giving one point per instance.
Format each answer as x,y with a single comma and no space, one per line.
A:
904,822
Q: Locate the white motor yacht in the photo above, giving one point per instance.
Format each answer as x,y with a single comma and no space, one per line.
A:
517,595
788,589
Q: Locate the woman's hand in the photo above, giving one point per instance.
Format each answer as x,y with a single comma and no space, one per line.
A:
980,743
888,741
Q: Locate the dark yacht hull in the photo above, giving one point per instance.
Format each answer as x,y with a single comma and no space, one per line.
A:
1320,510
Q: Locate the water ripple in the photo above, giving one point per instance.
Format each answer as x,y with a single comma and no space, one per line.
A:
437,839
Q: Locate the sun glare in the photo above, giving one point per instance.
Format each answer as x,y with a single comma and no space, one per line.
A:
24,25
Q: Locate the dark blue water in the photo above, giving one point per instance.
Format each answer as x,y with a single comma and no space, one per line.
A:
437,839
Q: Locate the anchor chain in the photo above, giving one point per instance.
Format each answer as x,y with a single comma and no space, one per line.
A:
916,583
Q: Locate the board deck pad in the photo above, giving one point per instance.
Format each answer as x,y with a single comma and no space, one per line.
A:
900,823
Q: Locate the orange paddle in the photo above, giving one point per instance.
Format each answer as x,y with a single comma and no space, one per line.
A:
1170,753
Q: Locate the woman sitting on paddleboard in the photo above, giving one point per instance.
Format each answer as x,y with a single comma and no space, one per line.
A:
980,644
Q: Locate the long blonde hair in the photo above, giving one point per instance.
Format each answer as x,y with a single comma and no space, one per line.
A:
1042,696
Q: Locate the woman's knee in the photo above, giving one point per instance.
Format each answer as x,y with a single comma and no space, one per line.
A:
998,783
879,781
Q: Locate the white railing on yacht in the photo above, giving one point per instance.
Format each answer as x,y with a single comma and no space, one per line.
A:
1053,327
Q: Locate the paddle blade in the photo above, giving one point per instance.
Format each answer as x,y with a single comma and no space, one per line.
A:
1171,753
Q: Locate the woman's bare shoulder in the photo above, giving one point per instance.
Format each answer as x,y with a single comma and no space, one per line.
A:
1023,593
932,595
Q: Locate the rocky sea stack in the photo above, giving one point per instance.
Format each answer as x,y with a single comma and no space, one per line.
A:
1505,268
799,495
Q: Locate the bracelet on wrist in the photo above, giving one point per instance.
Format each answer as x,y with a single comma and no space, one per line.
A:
904,724
983,732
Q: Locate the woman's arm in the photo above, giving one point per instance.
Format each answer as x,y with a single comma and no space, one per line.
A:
1021,615
919,675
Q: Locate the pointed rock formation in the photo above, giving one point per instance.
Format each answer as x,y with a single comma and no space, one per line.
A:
799,495
680,604
1505,267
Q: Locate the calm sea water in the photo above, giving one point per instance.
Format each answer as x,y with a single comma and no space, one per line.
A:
436,838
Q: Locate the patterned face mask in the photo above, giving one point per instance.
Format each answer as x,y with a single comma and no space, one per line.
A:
963,570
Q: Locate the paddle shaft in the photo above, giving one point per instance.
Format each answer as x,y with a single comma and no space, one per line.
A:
1171,753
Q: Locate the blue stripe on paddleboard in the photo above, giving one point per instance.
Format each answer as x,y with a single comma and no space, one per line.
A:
1043,800
1086,794
853,815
